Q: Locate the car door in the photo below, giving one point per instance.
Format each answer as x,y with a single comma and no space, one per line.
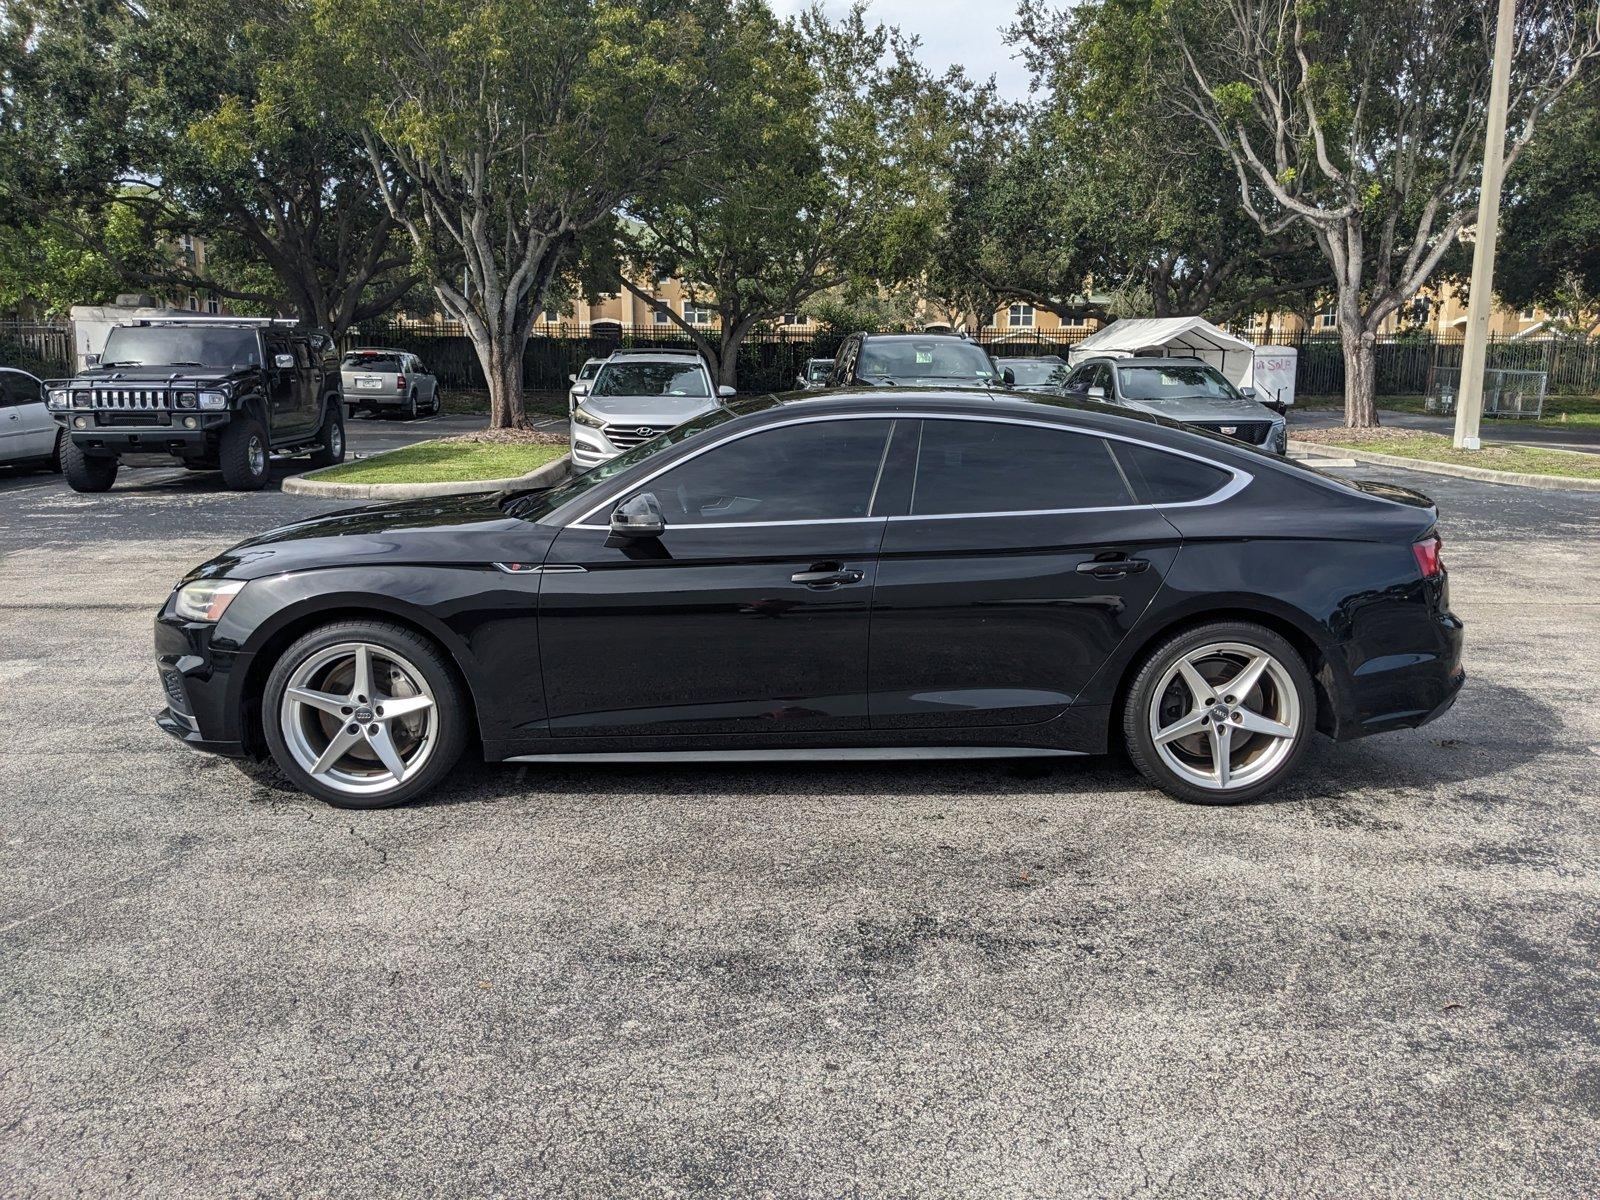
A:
1022,560
748,615
26,427
283,388
429,385
10,419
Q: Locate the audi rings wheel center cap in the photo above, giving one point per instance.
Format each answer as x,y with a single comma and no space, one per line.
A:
1219,712
363,714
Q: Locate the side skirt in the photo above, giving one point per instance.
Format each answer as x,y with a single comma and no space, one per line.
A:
796,754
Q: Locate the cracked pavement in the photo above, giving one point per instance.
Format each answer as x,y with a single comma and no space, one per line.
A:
916,979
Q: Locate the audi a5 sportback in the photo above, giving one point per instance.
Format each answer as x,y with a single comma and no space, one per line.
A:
861,574
635,396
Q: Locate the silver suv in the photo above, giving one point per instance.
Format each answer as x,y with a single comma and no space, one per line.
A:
638,395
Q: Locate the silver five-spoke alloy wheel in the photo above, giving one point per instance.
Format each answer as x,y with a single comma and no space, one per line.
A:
1225,716
359,718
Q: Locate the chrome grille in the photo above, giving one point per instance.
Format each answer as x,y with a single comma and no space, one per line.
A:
132,399
626,437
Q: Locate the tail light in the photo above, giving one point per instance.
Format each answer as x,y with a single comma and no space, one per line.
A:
399,383
1428,551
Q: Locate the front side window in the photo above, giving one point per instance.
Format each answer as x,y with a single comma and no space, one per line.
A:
652,379
1174,382
974,467
817,471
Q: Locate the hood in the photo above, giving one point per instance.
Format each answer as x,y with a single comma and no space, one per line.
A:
1204,408
444,531
105,377
648,410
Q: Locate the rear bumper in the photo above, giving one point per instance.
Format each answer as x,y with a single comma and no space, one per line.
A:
1403,691
375,399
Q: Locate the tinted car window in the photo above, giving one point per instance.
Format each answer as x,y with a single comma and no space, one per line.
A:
817,471
651,379
372,362
985,467
1035,372
1171,382
171,345
1168,478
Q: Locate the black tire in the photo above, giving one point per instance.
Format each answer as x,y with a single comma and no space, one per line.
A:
87,472
332,437
55,450
436,404
425,656
1163,658
245,456
411,406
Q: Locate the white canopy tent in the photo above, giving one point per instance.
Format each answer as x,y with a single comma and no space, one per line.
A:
1175,337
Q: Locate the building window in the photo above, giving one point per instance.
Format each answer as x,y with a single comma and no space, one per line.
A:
696,314
659,316
194,303
1072,322
213,306
1020,316
1528,314
1327,319
791,318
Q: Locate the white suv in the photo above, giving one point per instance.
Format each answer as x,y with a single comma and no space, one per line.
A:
638,395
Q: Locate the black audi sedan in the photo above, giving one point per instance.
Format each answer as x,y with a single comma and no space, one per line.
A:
857,575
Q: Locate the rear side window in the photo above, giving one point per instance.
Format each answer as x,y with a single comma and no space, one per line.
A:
988,467
816,471
1168,478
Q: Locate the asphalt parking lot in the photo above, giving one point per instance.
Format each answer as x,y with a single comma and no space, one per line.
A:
914,979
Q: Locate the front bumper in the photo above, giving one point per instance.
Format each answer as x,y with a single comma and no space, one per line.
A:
202,685
173,437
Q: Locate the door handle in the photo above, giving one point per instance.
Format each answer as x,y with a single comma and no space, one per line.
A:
1114,568
826,575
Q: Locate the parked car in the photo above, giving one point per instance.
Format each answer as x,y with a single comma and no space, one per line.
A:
380,380
585,375
28,435
922,573
814,374
913,360
1181,389
638,395
1045,373
215,393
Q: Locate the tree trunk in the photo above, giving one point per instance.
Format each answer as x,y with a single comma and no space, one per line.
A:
728,353
1360,372
502,366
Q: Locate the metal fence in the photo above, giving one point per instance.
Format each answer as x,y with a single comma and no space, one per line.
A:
1505,393
43,348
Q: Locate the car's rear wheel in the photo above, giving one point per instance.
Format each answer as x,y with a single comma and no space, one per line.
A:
87,472
411,407
1220,714
244,456
364,714
332,435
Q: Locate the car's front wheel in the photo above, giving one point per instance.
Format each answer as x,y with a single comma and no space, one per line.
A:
87,472
1220,714
364,714
244,456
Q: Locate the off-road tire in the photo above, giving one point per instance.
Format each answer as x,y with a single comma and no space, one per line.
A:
331,435
243,469
87,472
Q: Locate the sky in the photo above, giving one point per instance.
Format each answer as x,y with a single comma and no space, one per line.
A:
952,31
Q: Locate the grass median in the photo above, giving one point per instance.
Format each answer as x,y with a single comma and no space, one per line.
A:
1435,447
492,454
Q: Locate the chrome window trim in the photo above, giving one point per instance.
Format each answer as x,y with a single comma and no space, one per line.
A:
1240,480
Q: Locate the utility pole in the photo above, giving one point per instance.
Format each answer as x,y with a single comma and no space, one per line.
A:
1475,353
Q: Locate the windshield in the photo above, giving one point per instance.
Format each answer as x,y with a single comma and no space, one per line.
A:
1035,372
181,346
651,379
535,504
1171,382
915,361
369,361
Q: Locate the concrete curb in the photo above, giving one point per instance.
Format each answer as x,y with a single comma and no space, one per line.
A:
1559,483
309,485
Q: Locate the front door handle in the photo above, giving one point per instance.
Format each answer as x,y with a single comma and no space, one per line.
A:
826,575
1114,568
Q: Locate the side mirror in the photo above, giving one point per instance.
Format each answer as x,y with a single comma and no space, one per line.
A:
283,361
1247,391
638,517
580,387
1095,393
573,378
725,391
1009,377
91,360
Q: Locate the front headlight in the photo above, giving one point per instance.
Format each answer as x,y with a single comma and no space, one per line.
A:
59,398
206,599
213,399
584,417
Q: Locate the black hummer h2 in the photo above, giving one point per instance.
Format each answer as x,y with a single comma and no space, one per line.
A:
214,392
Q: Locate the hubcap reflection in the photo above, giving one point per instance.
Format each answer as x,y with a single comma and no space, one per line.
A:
359,718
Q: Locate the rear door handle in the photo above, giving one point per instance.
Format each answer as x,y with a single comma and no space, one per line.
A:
826,575
1114,568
